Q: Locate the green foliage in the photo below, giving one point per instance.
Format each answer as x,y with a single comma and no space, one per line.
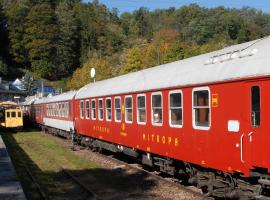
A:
16,14
55,39
68,39
28,84
3,68
43,68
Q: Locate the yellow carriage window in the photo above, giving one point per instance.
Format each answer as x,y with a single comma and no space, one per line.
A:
8,114
13,114
19,114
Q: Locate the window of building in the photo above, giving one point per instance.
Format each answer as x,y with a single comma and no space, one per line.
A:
175,109
117,109
87,109
108,109
82,109
157,111
93,112
128,109
255,106
201,108
100,109
141,109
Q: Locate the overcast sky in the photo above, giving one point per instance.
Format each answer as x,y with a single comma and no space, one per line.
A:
130,5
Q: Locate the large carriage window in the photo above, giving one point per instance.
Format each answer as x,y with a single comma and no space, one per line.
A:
141,109
117,109
157,109
128,109
201,108
81,109
93,112
255,106
87,108
100,109
175,109
108,109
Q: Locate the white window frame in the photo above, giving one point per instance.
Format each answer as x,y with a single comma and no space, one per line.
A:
115,119
152,120
89,108
137,109
92,113
81,109
108,98
205,128
128,122
169,107
102,109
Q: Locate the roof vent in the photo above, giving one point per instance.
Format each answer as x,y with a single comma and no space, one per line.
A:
230,56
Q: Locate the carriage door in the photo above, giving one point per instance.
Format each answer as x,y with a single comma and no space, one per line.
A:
253,134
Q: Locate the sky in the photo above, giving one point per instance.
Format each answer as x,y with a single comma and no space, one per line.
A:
131,5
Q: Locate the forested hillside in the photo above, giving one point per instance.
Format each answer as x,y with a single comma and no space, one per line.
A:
63,39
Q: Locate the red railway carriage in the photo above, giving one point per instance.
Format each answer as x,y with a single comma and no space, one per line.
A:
205,116
210,110
37,111
57,112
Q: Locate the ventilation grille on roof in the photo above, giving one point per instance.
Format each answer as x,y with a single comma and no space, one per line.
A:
230,56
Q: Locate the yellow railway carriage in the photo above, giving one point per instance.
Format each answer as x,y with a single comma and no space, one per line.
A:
11,116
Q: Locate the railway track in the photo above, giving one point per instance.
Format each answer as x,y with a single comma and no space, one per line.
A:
122,162
156,175
90,194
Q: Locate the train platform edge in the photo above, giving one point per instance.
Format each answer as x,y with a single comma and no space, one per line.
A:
10,187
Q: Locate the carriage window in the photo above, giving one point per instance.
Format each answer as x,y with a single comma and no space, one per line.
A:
128,109
117,109
201,109
93,112
87,108
8,114
13,114
19,114
255,106
175,109
100,109
81,109
157,109
141,109
108,109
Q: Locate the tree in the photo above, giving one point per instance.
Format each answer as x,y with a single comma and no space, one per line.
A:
3,68
81,75
40,40
16,13
68,38
28,84
134,61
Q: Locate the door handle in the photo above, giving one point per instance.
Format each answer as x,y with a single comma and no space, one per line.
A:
250,136
241,148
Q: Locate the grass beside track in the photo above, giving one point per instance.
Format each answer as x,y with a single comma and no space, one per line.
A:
45,158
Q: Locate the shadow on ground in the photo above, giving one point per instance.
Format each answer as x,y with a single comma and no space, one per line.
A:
105,183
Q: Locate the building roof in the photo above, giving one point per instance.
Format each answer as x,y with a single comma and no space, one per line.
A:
8,88
239,61
61,97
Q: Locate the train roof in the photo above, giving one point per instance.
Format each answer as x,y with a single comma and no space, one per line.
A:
61,97
235,62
